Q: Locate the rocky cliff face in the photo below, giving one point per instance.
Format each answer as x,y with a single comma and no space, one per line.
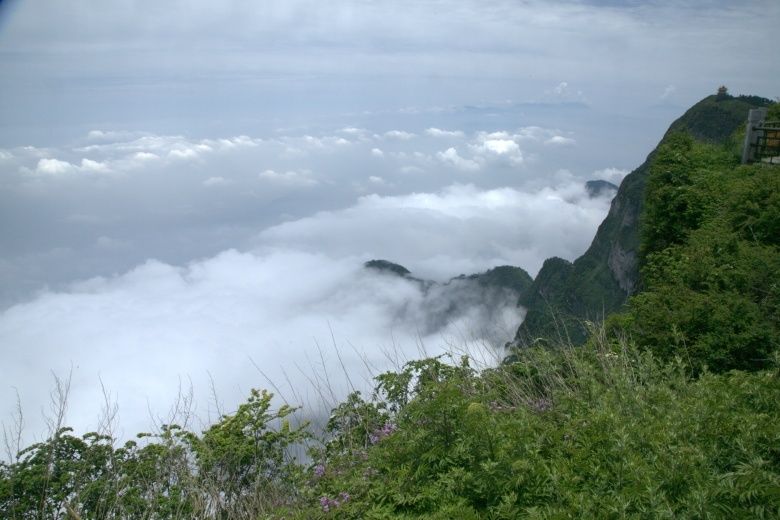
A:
564,295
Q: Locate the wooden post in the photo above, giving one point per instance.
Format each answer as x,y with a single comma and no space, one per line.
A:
756,116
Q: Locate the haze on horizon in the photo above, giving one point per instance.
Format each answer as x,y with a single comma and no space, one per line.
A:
189,190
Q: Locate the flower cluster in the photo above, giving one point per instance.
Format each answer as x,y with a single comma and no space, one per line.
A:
381,433
541,404
332,503
319,470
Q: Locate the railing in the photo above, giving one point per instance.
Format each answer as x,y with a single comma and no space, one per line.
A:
762,139
767,147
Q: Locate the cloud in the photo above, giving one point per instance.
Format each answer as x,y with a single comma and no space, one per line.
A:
376,152
53,167
145,156
112,135
143,331
128,149
436,132
409,170
493,227
613,175
257,253
498,145
324,142
563,92
360,134
217,181
183,153
399,135
450,156
560,140
94,166
561,89
329,61
669,90
179,209
290,177
58,168
231,319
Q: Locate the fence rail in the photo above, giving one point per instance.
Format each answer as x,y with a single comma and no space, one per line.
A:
762,139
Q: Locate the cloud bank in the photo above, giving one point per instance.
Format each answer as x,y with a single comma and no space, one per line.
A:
295,292
231,321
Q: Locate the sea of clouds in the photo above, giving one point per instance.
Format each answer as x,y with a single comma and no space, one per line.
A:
141,266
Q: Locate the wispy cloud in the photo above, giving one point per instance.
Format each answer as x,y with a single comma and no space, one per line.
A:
451,156
437,132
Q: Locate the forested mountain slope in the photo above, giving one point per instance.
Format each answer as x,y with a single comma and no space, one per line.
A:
564,294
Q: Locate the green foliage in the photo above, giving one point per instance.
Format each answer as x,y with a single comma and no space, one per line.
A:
773,112
601,431
352,423
505,276
710,237
243,450
48,476
674,201
566,295
713,120
238,467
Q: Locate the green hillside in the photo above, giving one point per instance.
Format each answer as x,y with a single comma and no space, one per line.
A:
709,258
566,295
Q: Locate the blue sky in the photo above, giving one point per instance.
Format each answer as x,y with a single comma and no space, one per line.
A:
188,185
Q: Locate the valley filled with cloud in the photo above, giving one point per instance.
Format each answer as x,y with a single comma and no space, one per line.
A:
162,261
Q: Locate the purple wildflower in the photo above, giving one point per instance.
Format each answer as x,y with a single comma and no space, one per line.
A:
381,433
541,404
319,470
327,503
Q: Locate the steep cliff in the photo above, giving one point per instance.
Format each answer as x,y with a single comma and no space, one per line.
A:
565,294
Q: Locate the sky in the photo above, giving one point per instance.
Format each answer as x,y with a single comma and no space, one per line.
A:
188,190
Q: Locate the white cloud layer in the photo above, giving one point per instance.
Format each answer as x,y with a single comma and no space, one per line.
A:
613,175
143,332
461,229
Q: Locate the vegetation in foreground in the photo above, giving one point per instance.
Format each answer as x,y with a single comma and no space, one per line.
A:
598,431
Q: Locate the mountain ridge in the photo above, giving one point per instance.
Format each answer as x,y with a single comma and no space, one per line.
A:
565,294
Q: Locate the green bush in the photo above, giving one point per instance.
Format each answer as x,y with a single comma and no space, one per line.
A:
710,261
602,431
